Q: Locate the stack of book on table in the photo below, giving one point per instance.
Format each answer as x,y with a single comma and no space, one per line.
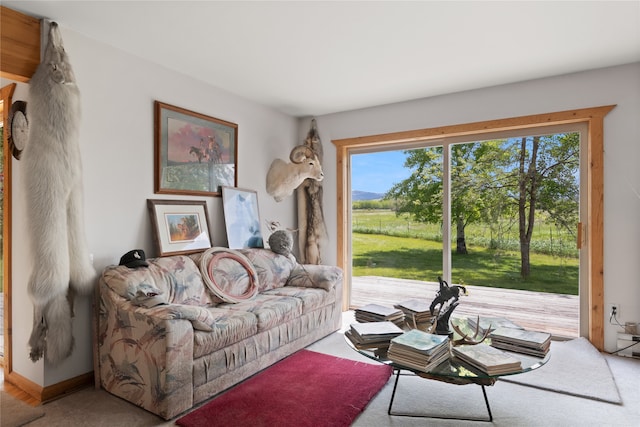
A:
416,311
373,334
488,359
491,323
521,341
419,350
379,313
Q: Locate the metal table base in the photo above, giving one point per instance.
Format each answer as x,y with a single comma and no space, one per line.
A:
400,414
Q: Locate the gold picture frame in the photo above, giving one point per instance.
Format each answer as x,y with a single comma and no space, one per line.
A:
194,154
180,226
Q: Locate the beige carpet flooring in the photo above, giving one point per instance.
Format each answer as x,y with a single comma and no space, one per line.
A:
15,413
511,404
576,367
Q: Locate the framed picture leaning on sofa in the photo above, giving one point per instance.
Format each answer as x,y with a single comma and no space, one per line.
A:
180,226
242,218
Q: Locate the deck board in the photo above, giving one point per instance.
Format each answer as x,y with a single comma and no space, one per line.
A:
556,314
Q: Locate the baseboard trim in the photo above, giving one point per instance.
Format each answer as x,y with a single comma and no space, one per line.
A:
28,386
52,392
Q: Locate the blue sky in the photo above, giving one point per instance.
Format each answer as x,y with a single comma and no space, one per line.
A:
377,172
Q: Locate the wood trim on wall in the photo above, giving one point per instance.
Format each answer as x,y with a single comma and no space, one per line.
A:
20,40
19,58
593,117
46,394
7,361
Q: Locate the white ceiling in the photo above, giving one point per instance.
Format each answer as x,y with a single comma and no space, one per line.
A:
312,58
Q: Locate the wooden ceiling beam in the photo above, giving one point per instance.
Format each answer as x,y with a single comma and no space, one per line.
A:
19,45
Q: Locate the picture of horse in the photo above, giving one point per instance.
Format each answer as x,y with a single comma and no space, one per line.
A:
195,154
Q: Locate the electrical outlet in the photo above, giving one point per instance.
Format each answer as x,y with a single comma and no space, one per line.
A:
610,309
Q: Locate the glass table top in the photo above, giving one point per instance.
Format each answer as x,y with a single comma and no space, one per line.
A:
453,369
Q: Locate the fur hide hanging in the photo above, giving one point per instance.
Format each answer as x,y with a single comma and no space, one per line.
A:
312,229
53,177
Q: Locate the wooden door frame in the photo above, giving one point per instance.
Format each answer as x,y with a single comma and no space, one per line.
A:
7,94
592,117
19,58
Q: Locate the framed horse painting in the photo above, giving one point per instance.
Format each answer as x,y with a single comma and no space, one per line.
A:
194,154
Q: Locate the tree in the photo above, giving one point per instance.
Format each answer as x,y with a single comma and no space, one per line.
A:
547,180
560,187
420,195
528,181
492,160
496,181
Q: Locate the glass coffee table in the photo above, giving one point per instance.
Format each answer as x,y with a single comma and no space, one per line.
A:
452,371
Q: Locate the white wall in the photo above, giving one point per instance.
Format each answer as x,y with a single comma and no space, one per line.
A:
118,91
617,85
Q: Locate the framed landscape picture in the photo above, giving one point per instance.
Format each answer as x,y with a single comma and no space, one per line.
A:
242,218
194,154
180,226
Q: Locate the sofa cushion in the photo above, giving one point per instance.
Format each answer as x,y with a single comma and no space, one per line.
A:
228,327
311,298
270,310
273,269
173,280
228,274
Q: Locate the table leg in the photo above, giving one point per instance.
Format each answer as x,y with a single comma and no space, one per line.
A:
486,401
393,394
400,414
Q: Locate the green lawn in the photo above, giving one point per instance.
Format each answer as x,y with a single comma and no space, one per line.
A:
547,238
419,259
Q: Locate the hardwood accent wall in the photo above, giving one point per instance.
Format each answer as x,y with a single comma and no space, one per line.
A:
20,41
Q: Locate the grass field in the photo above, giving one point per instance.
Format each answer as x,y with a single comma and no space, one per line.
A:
420,258
546,239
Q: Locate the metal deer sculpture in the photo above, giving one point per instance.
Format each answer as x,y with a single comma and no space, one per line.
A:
53,178
312,231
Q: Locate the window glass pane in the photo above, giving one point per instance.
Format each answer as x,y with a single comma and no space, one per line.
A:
515,207
396,225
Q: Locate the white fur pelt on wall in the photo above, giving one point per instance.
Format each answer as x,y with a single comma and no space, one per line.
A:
53,177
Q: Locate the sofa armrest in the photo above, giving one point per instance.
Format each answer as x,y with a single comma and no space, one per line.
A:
200,318
145,355
315,276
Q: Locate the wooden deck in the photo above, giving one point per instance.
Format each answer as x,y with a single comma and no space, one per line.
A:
553,313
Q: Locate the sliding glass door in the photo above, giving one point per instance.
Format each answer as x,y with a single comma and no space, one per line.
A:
504,212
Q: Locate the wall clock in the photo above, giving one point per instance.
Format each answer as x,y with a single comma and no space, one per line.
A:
18,128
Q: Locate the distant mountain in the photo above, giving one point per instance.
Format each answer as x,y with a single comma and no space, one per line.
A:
365,195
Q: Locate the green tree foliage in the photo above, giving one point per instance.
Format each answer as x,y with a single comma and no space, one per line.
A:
420,195
547,182
372,204
504,183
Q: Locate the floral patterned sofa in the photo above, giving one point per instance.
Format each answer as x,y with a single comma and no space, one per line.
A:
175,333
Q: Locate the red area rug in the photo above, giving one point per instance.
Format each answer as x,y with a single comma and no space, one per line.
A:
305,389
